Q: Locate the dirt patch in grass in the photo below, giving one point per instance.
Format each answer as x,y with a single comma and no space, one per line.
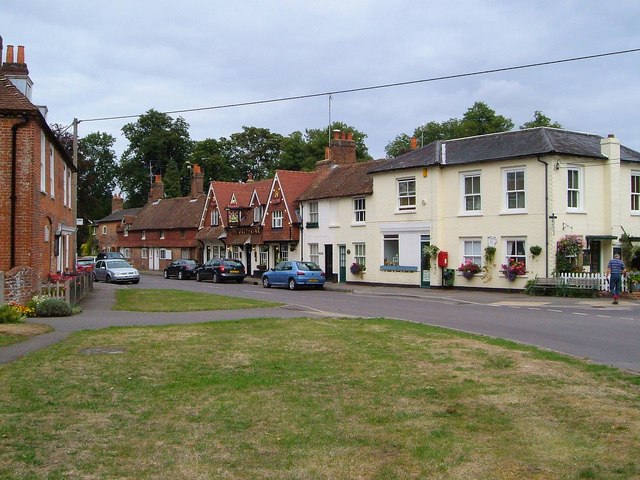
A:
18,332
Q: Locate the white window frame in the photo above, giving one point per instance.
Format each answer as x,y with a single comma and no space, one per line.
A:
104,229
126,231
472,250
359,210
511,250
43,164
215,218
394,253
575,190
258,211
126,252
407,198
236,252
313,212
144,253
314,253
360,253
143,235
471,195
52,172
161,234
506,173
284,252
165,254
635,192
277,218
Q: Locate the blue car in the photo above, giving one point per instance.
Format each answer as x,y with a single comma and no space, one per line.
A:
293,275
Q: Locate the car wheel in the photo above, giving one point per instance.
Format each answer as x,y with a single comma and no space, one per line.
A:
216,278
319,287
107,278
180,276
166,274
266,283
136,281
198,277
93,274
292,284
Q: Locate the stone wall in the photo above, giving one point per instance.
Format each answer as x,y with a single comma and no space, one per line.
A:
20,285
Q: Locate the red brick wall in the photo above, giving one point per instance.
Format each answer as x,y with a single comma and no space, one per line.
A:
34,209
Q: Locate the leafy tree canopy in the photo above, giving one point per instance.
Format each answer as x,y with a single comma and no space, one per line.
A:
154,139
540,120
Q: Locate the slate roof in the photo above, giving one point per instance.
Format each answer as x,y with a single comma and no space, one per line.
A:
501,146
342,181
119,215
168,213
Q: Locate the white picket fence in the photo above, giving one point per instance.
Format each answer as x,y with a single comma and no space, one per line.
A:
603,283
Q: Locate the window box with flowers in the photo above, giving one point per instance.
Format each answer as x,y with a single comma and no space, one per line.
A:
513,269
469,269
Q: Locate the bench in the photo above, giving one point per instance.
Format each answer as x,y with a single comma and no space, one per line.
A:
543,285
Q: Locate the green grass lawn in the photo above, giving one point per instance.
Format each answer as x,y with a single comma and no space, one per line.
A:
312,399
155,300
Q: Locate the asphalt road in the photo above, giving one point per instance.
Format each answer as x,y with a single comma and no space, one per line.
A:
592,329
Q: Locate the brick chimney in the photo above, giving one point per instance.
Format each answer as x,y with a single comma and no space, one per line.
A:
342,148
116,203
157,189
197,181
16,70
413,143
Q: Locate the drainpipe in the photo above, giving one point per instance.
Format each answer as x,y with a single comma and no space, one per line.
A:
546,216
14,197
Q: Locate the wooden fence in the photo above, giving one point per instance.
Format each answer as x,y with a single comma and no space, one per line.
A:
71,290
603,281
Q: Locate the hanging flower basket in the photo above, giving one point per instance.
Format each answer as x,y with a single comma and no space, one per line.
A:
468,275
356,268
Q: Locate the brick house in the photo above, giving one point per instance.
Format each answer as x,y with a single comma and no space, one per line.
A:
165,228
37,183
108,227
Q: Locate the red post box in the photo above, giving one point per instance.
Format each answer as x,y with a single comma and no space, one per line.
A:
443,259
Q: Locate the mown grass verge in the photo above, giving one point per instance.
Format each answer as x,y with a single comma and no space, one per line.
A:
312,398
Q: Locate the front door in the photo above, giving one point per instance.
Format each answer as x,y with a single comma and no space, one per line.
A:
247,255
594,260
342,259
425,264
328,262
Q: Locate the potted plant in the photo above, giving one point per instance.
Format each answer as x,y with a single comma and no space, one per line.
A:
513,268
634,281
469,269
357,268
535,250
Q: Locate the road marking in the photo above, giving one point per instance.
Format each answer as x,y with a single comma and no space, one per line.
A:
531,308
552,310
579,313
603,316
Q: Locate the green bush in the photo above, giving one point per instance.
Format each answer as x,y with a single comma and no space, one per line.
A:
53,307
8,314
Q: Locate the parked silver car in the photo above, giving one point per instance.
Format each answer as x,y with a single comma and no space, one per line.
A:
114,270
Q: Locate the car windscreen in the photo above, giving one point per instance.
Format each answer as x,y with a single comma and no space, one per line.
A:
189,262
233,264
118,264
308,266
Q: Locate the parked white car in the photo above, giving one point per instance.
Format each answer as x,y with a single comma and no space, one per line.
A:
114,270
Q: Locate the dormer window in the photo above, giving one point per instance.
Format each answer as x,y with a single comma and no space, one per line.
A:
215,218
257,214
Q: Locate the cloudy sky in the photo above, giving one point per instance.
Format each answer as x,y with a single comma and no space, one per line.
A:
103,59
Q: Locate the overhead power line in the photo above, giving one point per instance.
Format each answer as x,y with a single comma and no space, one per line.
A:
377,87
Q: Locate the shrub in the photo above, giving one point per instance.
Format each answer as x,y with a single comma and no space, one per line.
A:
53,307
10,314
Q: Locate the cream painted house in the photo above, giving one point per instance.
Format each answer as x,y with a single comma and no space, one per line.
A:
510,191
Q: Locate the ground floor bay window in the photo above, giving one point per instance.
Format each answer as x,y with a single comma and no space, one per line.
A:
402,246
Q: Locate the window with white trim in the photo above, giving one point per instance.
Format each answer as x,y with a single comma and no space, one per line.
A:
43,163
514,188
143,235
635,192
284,252
264,255
472,251
574,188
314,253
391,246
215,217
144,253
406,194
472,200
360,253
313,213
126,230
236,252
52,172
515,249
165,254
258,211
104,229
161,234
126,252
359,210
276,219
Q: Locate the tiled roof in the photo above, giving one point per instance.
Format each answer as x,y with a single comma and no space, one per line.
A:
501,146
210,233
294,183
118,215
12,99
181,212
341,181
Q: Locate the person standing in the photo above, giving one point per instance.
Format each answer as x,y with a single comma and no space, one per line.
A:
615,271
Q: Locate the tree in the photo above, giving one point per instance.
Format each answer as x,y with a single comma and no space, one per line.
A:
256,151
154,139
171,180
97,178
481,120
540,120
294,154
214,158
399,145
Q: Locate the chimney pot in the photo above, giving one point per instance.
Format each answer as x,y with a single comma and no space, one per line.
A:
414,143
336,134
9,54
611,135
349,136
21,54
